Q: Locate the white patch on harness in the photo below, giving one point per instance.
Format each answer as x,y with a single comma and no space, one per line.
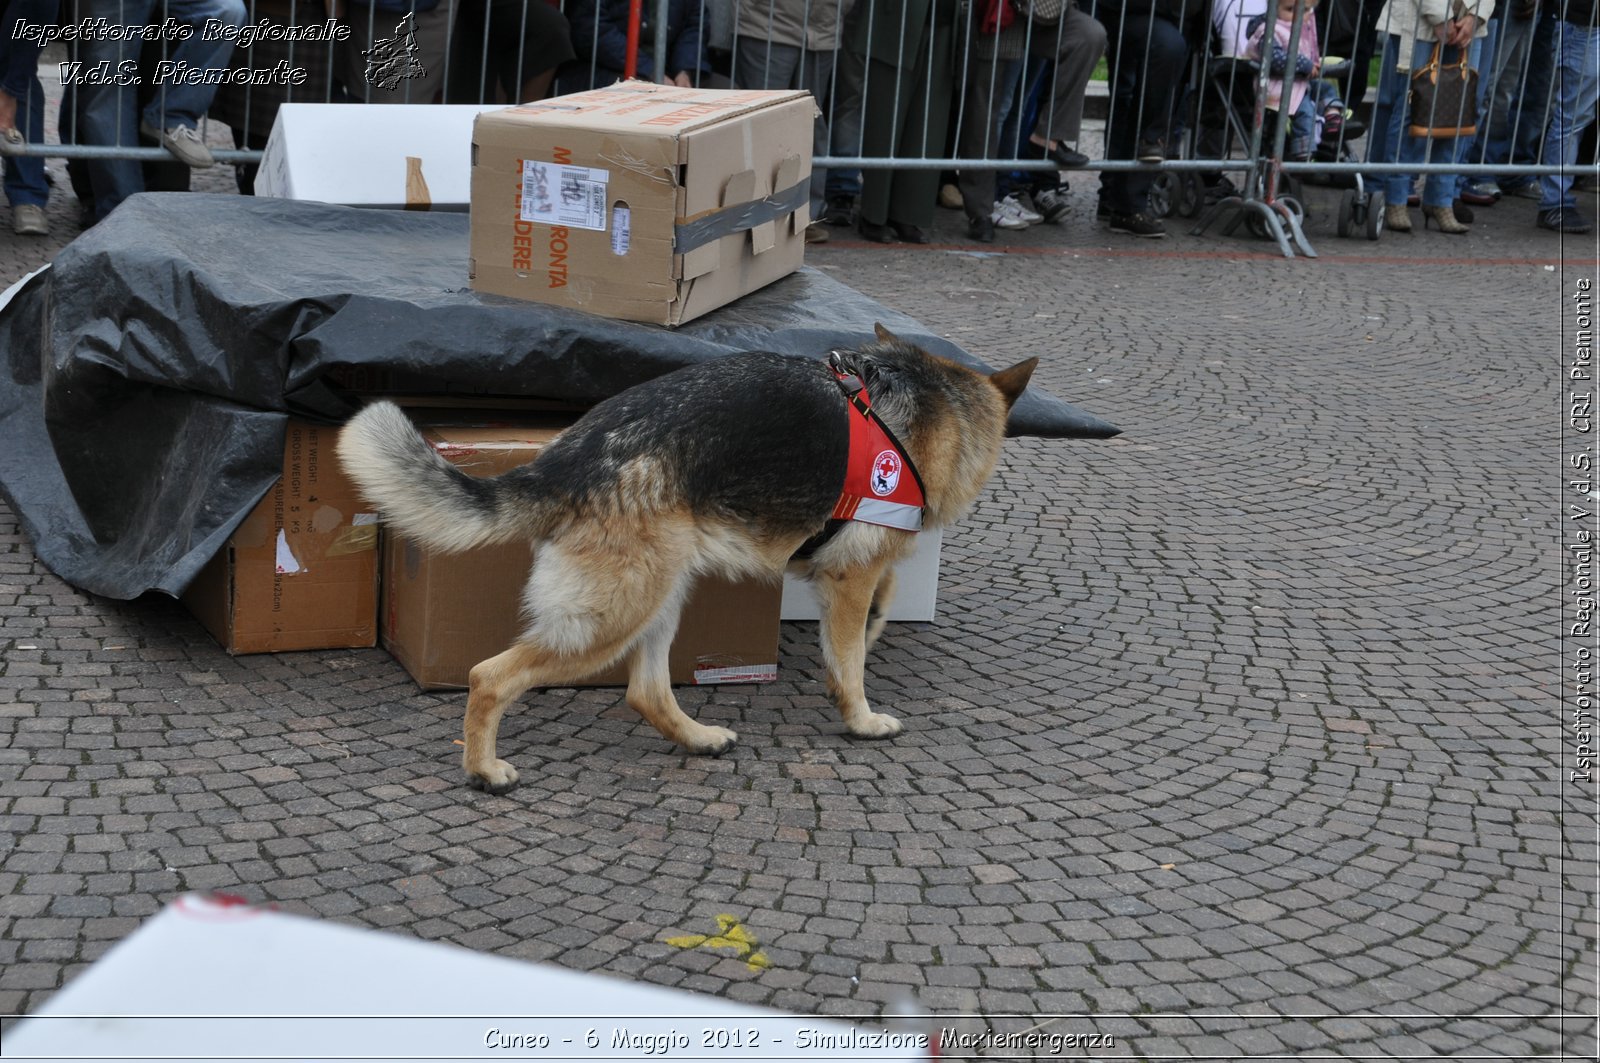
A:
886,472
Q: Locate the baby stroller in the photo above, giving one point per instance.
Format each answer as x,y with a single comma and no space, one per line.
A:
1272,201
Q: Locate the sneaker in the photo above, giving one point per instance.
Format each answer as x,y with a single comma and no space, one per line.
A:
1139,224
1481,193
183,142
838,211
1564,220
1029,217
1067,158
1524,190
950,197
1052,204
1152,149
816,233
1006,215
29,220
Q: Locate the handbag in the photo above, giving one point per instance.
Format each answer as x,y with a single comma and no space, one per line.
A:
1444,99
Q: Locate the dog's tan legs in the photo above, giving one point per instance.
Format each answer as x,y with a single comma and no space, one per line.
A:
650,687
502,679
878,614
846,598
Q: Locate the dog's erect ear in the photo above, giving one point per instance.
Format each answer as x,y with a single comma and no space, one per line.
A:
884,335
1012,381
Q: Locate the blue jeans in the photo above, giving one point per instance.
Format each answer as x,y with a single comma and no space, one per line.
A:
110,115
19,78
1512,117
1391,142
1577,90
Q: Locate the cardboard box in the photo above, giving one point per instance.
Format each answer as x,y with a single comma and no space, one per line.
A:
301,572
212,978
443,613
916,589
642,202
416,156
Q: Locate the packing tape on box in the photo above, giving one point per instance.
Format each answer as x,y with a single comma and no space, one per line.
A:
354,540
742,217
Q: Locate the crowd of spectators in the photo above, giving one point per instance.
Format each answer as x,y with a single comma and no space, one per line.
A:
973,80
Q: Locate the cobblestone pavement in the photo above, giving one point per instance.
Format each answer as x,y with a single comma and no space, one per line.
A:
1239,736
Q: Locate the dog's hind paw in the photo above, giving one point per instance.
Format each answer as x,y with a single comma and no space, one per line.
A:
711,741
874,725
500,778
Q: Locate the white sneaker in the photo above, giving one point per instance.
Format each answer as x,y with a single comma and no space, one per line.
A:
1007,215
1029,217
183,142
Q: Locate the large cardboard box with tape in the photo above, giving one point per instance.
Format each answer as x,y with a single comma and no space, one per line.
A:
642,202
301,572
443,613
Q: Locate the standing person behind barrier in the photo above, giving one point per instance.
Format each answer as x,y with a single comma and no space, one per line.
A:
1518,60
908,51
1148,53
1414,27
600,37
793,44
506,51
22,104
1577,91
994,67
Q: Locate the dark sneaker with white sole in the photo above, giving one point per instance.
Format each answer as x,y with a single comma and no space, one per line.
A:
1138,224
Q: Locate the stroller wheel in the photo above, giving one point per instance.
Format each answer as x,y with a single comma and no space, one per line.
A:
1374,225
1163,194
1191,194
1347,214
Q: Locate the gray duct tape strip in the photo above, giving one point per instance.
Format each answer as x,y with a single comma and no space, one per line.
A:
741,218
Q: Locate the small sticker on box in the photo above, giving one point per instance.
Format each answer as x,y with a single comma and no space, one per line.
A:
621,228
705,675
556,194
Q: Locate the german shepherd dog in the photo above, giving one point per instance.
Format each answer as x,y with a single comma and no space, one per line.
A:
727,467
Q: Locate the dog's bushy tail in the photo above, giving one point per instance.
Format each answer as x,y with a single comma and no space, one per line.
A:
417,491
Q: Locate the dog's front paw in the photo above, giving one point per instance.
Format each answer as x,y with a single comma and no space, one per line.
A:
873,725
500,778
710,741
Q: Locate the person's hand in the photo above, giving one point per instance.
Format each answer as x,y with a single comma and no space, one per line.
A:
1464,28
1444,31
683,80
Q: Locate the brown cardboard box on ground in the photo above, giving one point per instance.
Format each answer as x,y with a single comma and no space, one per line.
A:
301,572
443,613
642,202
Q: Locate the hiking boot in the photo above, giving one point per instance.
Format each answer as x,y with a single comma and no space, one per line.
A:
1052,204
27,219
183,142
1564,220
1138,224
838,211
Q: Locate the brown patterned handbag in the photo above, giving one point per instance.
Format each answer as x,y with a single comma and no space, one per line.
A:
1444,99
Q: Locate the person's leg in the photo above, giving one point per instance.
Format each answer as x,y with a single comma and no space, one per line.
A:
1388,132
1082,43
1534,106
1577,88
1439,189
25,182
1163,60
979,135
927,123
108,115
182,104
881,121
815,75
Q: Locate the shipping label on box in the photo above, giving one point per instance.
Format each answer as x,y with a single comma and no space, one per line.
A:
642,202
444,613
301,572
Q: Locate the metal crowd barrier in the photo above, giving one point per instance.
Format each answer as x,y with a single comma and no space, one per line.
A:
910,59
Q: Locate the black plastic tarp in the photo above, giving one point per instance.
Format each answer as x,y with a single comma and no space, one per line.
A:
150,371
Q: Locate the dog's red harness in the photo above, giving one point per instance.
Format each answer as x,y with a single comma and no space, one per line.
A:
881,484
